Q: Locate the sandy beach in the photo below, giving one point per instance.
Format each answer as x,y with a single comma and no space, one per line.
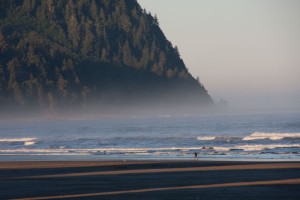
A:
150,180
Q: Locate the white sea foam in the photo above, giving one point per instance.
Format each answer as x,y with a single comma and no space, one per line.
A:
95,150
135,151
28,143
257,147
206,138
22,150
16,139
25,141
253,136
218,138
271,136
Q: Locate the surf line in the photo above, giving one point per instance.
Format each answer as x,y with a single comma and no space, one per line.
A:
237,184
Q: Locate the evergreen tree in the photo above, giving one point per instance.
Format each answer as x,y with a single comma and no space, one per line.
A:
57,52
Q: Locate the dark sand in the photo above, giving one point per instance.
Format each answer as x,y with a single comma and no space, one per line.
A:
150,180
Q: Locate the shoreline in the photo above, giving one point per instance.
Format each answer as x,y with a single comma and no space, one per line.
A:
92,158
155,179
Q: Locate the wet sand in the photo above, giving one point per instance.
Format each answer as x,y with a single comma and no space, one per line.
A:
150,180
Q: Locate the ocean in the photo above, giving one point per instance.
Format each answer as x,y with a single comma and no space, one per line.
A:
224,136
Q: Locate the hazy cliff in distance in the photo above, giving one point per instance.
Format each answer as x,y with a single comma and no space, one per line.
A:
58,54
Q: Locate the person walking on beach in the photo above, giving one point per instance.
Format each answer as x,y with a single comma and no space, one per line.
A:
195,155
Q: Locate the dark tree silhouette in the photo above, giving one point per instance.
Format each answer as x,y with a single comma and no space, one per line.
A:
61,53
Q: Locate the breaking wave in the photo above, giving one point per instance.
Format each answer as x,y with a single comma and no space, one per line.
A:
16,139
253,136
167,150
206,138
258,147
256,143
25,141
271,136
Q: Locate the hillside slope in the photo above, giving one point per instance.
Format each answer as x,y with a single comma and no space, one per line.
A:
57,53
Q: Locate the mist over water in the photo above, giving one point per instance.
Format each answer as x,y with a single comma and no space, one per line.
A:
249,60
246,52
216,136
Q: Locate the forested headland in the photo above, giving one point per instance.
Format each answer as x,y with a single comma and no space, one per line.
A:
60,54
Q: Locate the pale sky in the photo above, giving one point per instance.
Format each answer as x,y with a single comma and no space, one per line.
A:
244,51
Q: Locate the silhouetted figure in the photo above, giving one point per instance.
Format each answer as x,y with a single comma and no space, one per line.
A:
195,155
